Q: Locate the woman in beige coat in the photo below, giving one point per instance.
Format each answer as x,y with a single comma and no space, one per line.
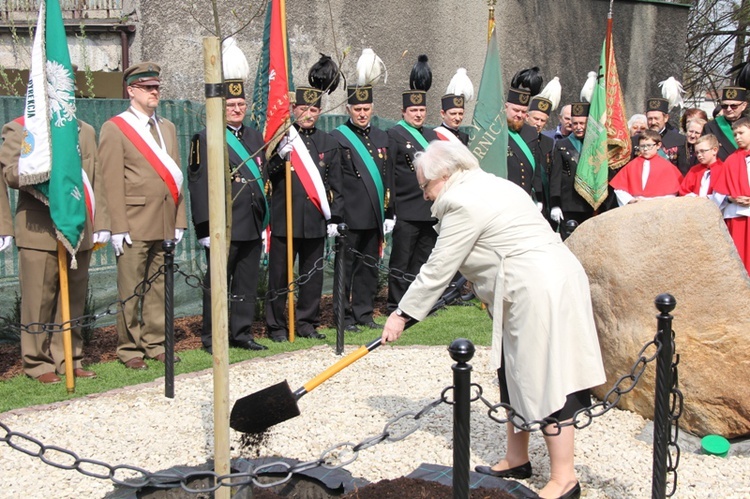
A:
544,341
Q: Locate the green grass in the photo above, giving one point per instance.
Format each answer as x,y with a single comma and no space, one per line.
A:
454,322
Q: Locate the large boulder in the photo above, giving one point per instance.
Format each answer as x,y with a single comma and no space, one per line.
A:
679,246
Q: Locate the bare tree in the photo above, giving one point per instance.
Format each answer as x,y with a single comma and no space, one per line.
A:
717,41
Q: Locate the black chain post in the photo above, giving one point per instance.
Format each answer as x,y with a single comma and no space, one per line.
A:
168,246
665,303
461,350
567,229
339,285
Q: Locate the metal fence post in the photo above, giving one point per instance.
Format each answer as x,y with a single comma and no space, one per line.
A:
461,350
665,303
339,285
168,246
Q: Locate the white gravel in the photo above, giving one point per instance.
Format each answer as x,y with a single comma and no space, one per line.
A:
139,426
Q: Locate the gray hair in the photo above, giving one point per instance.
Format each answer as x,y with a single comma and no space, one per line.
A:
443,158
636,117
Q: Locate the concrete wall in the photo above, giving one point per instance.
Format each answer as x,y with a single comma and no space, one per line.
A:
563,38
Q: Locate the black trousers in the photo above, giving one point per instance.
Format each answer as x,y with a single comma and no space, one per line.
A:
307,307
243,264
361,280
412,245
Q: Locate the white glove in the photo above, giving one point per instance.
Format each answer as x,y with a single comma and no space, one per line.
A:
333,230
5,242
556,214
388,225
264,240
117,241
101,237
205,242
285,148
178,235
540,206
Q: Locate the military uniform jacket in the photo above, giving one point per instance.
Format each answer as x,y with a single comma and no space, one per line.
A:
6,220
406,201
34,228
726,147
307,221
520,171
562,179
248,205
139,201
462,136
546,146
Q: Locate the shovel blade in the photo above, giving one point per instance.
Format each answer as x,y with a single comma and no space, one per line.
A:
259,411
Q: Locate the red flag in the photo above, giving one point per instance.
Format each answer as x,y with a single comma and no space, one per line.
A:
270,112
618,135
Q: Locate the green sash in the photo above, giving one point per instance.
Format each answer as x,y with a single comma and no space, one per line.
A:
726,129
234,143
576,142
372,168
415,133
525,148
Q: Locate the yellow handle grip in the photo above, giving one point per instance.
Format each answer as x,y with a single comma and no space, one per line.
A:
338,366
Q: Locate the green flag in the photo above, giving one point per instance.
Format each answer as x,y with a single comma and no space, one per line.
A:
489,136
592,175
50,162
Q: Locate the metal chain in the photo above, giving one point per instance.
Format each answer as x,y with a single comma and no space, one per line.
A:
397,428
583,417
371,261
675,411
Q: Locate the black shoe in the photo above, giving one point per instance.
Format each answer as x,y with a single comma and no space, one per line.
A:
573,493
314,335
352,328
208,349
371,325
248,345
279,339
523,471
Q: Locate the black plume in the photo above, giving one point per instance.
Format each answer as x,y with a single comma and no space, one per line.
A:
742,78
324,74
528,79
421,75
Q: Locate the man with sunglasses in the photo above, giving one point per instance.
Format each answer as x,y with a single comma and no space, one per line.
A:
733,105
673,143
143,183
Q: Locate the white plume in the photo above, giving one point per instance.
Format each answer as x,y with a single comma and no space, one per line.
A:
588,88
553,92
370,68
671,90
460,84
233,61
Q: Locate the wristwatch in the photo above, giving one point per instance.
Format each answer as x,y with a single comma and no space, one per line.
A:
403,314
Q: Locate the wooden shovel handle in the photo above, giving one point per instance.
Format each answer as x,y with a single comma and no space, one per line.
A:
341,364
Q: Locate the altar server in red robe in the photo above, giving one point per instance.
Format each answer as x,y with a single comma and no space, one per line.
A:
700,179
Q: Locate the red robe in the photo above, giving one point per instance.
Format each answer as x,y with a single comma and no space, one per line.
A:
733,182
663,180
692,181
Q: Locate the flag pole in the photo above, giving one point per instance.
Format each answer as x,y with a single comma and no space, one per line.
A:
217,210
62,263
608,41
491,18
290,251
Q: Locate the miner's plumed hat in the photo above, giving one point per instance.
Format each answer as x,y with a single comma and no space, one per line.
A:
359,95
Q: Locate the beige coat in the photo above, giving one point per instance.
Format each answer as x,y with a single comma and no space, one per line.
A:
34,228
139,200
6,219
536,290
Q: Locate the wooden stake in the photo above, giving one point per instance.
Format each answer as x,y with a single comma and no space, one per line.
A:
290,250
216,169
62,264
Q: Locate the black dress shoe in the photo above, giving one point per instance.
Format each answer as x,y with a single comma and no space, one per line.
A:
523,471
314,335
248,345
208,349
371,325
279,339
573,493
351,328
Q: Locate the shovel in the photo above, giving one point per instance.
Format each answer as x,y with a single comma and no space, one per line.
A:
259,411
